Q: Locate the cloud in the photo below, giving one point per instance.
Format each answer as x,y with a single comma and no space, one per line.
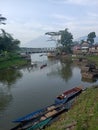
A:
78,27
77,2
36,18
62,17
93,15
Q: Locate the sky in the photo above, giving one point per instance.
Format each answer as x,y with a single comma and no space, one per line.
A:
29,19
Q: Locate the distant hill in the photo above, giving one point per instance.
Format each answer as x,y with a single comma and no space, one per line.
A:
42,41
85,38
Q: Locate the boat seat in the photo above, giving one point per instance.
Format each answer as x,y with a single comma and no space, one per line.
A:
51,113
43,118
51,108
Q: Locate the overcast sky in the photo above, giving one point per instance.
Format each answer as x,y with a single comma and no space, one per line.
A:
28,19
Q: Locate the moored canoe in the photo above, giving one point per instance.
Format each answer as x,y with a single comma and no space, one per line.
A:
67,95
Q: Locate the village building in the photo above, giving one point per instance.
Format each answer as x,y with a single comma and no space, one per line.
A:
85,48
94,49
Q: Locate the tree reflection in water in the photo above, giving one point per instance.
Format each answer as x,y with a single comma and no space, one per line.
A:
63,70
10,76
66,71
5,99
7,78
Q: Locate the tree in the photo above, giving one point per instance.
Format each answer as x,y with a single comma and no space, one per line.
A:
66,40
90,37
2,19
54,36
8,43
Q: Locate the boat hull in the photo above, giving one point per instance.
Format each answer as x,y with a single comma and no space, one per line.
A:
68,95
42,120
40,125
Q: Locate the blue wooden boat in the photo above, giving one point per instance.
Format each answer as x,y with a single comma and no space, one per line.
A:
35,114
29,116
63,98
42,120
69,94
32,126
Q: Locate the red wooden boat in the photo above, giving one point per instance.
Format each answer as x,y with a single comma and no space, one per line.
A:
69,94
44,65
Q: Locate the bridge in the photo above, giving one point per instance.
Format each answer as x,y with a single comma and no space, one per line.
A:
37,50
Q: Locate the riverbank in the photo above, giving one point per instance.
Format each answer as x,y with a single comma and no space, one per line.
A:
83,115
93,58
12,60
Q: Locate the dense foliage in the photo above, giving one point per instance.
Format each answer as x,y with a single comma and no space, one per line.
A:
91,37
66,40
7,42
63,38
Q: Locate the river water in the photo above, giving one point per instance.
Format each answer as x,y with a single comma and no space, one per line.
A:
27,89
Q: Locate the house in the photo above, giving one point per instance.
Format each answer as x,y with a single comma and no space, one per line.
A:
76,49
94,49
85,47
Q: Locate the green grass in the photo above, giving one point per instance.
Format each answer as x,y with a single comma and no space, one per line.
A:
11,60
93,58
12,63
84,113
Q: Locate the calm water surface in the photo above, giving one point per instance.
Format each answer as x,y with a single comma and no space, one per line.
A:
30,88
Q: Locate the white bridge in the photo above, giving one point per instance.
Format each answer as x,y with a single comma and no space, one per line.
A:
38,50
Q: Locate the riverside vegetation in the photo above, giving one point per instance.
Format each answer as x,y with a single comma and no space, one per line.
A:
11,60
93,58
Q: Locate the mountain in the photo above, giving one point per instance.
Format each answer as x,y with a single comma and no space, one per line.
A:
85,38
42,41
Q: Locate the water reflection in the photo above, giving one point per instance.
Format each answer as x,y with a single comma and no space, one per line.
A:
10,76
7,78
37,87
88,80
66,71
5,99
63,70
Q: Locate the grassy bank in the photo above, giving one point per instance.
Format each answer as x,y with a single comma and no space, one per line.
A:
93,59
82,116
11,60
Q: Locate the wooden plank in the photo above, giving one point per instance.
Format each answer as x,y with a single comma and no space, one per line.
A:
51,108
50,113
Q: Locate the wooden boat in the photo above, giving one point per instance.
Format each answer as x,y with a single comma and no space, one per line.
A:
67,95
43,119
29,116
60,99
35,114
32,126
51,55
42,66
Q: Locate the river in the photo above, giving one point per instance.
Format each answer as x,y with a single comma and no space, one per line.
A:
27,89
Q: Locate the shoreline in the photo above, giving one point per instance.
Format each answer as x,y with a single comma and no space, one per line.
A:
12,62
